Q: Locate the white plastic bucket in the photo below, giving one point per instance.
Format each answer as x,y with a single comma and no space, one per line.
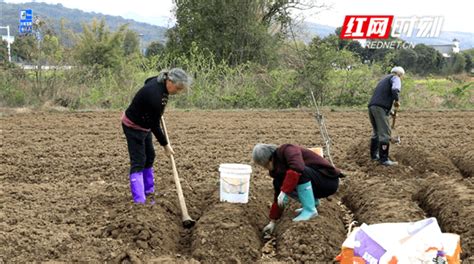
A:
234,182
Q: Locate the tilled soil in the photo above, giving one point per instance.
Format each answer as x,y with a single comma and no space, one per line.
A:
64,193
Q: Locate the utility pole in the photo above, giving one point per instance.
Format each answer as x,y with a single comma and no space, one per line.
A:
140,38
8,43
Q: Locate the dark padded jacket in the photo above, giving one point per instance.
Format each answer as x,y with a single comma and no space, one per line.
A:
148,106
385,93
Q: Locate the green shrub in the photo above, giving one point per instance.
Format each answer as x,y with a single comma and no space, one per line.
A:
11,92
218,85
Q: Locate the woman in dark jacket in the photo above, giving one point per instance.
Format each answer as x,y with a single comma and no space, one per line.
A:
296,172
142,117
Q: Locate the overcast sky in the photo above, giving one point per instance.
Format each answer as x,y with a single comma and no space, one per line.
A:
457,14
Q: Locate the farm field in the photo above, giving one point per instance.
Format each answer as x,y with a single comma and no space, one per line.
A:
64,189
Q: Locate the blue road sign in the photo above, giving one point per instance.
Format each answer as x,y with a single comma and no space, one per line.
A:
26,21
26,15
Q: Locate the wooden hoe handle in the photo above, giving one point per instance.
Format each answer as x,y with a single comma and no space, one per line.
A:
186,219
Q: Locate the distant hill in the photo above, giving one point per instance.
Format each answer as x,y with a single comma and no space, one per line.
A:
9,15
466,39
306,31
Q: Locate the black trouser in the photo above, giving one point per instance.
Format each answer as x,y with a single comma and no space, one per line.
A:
140,149
379,118
323,186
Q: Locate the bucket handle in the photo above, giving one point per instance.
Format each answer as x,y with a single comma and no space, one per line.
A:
240,185
233,184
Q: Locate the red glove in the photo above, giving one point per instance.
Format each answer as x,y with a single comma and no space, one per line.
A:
289,184
291,180
275,212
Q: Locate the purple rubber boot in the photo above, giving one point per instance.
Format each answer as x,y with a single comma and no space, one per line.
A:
148,180
137,188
